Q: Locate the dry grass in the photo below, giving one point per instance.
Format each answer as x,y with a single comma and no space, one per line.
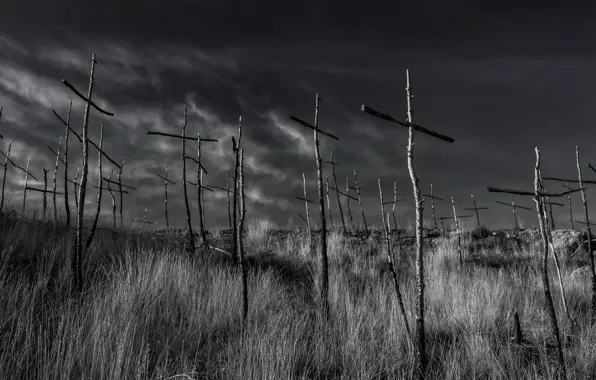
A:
151,312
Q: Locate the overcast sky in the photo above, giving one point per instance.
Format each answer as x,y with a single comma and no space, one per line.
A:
501,78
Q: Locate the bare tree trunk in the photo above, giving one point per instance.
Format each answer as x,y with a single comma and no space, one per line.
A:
341,211
113,201
324,258
99,190
360,200
236,150
387,229
121,193
78,256
191,238
432,205
166,198
348,202
457,231
54,181
394,202
76,192
589,233
4,177
550,307
67,133
420,332
328,202
199,189
307,213
25,187
476,209
45,193
243,267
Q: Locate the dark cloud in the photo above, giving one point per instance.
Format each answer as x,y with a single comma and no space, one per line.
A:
500,78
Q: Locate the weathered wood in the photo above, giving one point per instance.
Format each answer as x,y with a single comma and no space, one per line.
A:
406,124
114,190
45,190
166,196
585,181
316,129
457,229
341,212
54,180
58,158
476,209
243,266
17,166
65,161
452,217
29,188
166,179
566,185
395,201
347,195
183,137
199,190
191,238
328,202
4,176
99,191
307,220
550,308
86,99
387,230
589,233
235,150
75,184
197,162
120,186
113,200
360,202
529,193
25,187
228,199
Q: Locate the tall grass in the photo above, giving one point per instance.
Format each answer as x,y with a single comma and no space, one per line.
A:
149,311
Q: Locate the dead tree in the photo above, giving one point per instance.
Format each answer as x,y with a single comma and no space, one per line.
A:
551,218
228,199
54,181
166,180
45,190
25,187
199,192
323,222
243,266
566,185
348,202
328,202
75,184
307,212
432,204
387,229
120,189
476,209
235,151
6,160
589,233
66,135
513,207
421,355
458,232
113,201
360,201
99,191
394,203
341,212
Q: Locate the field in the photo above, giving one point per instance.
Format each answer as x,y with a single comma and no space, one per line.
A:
151,311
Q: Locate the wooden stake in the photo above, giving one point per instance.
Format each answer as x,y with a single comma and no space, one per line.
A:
348,202
199,191
191,238
307,212
235,150
550,308
166,197
45,190
341,212
74,182
99,190
570,208
121,193
25,187
54,181
589,232
360,201
243,267
113,201
461,261
4,177
387,228
66,134
432,205
228,199
476,210
328,202
394,203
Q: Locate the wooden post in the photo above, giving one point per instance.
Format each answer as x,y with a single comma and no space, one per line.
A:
121,193
394,203
243,266
348,202
113,201
458,232
324,258
235,150
514,215
6,160
341,212
514,207
476,209
570,209
66,134
432,205
99,190
45,190
25,187
550,308
589,233
74,182
54,181
199,191
191,238
307,212
387,228
328,202
166,197
360,201
421,355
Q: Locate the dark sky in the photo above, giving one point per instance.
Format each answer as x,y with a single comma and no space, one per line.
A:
500,77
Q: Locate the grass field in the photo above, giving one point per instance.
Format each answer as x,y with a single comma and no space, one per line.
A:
150,311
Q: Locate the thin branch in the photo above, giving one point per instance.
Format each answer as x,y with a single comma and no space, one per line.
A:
308,125
178,136
85,99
